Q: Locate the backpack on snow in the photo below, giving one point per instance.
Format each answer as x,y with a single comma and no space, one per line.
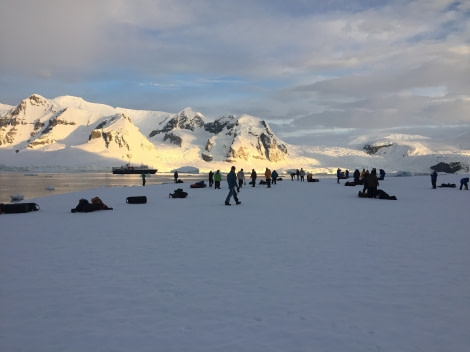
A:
178,193
84,206
136,200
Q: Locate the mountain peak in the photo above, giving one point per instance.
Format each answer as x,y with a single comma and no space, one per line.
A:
31,108
36,98
70,126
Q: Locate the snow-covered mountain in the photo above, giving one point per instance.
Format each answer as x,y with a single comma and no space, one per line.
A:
68,132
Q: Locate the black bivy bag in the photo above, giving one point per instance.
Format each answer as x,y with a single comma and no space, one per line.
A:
18,208
178,193
136,200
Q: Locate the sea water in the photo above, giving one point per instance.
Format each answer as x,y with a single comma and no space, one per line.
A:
34,185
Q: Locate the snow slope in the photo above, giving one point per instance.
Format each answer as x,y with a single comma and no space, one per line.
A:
297,267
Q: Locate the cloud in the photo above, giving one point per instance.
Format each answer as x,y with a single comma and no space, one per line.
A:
318,63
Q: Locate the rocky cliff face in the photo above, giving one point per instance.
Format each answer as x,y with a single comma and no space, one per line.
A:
253,138
228,138
180,121
25,121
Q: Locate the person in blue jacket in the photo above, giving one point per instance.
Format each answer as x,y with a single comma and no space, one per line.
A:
382,174
464,183
274,176
232,184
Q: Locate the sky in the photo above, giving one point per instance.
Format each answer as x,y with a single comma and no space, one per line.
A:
306,67
301,266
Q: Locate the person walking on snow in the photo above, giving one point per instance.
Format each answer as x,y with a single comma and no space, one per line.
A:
241,179
232,184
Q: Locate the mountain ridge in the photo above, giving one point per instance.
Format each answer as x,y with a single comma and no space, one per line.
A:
40,129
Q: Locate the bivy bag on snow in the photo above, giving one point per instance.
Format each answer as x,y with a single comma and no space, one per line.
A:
84,206
380,194
136,200
178,193
448,185
313,180
200,184
18,208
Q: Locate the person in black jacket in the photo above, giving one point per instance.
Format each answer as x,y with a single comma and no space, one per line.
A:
357,176
211,178
253,177
434,179
372,184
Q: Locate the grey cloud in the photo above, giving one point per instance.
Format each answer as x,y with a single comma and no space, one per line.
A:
319,63
391,111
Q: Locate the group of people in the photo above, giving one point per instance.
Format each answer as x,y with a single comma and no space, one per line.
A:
369,180
299,174
236,180
359,176
463,181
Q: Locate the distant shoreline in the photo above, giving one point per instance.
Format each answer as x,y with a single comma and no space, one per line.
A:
43,184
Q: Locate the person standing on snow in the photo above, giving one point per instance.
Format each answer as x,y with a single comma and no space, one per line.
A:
274,176
302,174
143,178
267,174
434,179
217,179
253,177
211,178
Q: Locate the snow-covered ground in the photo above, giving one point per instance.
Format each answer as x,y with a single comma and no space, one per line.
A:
298,267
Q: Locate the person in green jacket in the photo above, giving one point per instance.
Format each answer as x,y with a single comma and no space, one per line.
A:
143,178
217,179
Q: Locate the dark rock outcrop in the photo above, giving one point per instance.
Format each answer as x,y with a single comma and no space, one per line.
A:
449,168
